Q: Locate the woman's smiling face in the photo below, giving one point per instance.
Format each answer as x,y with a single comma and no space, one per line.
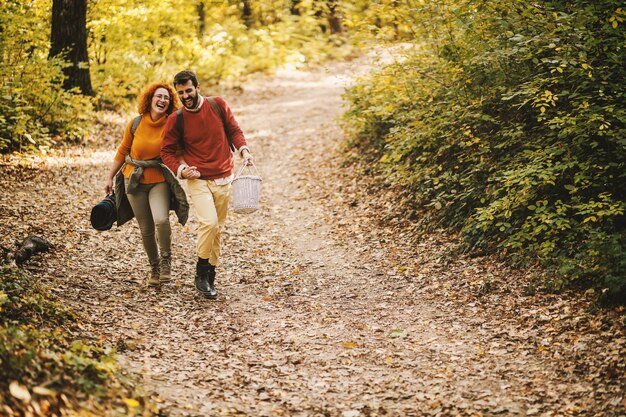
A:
160,101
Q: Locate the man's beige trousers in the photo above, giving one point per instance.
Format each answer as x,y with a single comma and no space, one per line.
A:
210,201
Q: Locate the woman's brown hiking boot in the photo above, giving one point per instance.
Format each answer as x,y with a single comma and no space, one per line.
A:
154,279
165,273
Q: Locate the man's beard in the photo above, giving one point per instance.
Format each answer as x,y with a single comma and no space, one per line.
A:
191,103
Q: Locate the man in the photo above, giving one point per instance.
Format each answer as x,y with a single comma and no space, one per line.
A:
201,137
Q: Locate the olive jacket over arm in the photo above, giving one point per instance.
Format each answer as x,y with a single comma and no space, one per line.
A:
178,198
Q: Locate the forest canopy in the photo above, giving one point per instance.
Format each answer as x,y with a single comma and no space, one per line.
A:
133,43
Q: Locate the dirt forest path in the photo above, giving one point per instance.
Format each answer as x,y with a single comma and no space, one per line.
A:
323,310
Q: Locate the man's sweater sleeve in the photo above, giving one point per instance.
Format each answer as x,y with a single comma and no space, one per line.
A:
169,145
232,127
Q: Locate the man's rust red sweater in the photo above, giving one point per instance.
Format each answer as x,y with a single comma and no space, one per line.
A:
204,145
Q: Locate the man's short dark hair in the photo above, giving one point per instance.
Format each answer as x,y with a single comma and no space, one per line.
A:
184,76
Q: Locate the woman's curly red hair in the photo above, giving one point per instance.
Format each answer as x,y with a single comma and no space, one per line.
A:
145,99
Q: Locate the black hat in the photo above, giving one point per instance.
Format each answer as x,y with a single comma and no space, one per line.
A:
104,214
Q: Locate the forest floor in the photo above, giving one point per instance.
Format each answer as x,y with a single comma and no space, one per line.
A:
327,306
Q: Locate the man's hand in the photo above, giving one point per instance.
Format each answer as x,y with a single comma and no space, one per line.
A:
190,173
247,157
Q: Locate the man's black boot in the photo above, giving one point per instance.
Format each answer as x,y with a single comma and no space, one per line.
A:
212,294
202,278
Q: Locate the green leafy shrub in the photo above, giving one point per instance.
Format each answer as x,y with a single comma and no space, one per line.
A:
40,360
35,111
133,44
508,123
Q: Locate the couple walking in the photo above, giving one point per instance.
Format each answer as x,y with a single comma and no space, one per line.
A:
165,144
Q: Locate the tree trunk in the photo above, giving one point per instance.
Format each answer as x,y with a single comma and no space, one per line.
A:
68,38
334,19
294,8
246,13
201,19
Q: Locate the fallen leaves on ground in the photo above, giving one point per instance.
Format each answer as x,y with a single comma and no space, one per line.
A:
329,303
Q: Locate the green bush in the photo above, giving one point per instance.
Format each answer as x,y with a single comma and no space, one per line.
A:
132,45
508,122
35,111
38,356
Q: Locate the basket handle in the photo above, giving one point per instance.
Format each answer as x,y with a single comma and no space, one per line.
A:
243,166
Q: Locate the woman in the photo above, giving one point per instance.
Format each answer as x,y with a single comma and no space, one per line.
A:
143,182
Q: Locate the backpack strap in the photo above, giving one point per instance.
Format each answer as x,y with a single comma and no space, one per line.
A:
133,128
220,111
180,127
180,123
135,125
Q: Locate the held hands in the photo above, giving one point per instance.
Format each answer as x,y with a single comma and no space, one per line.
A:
190,173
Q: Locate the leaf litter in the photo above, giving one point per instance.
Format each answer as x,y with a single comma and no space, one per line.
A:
329,305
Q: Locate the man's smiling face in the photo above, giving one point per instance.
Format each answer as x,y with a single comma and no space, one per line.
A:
188,94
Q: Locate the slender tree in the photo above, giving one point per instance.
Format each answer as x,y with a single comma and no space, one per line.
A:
329,16
201,18
334,17
246,13
295,7
68,38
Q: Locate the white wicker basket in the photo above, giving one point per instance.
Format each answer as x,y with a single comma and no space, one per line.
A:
246,191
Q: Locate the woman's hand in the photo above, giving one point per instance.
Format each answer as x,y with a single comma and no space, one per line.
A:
108,188
115,166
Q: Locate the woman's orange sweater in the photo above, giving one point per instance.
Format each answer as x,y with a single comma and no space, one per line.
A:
145,145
